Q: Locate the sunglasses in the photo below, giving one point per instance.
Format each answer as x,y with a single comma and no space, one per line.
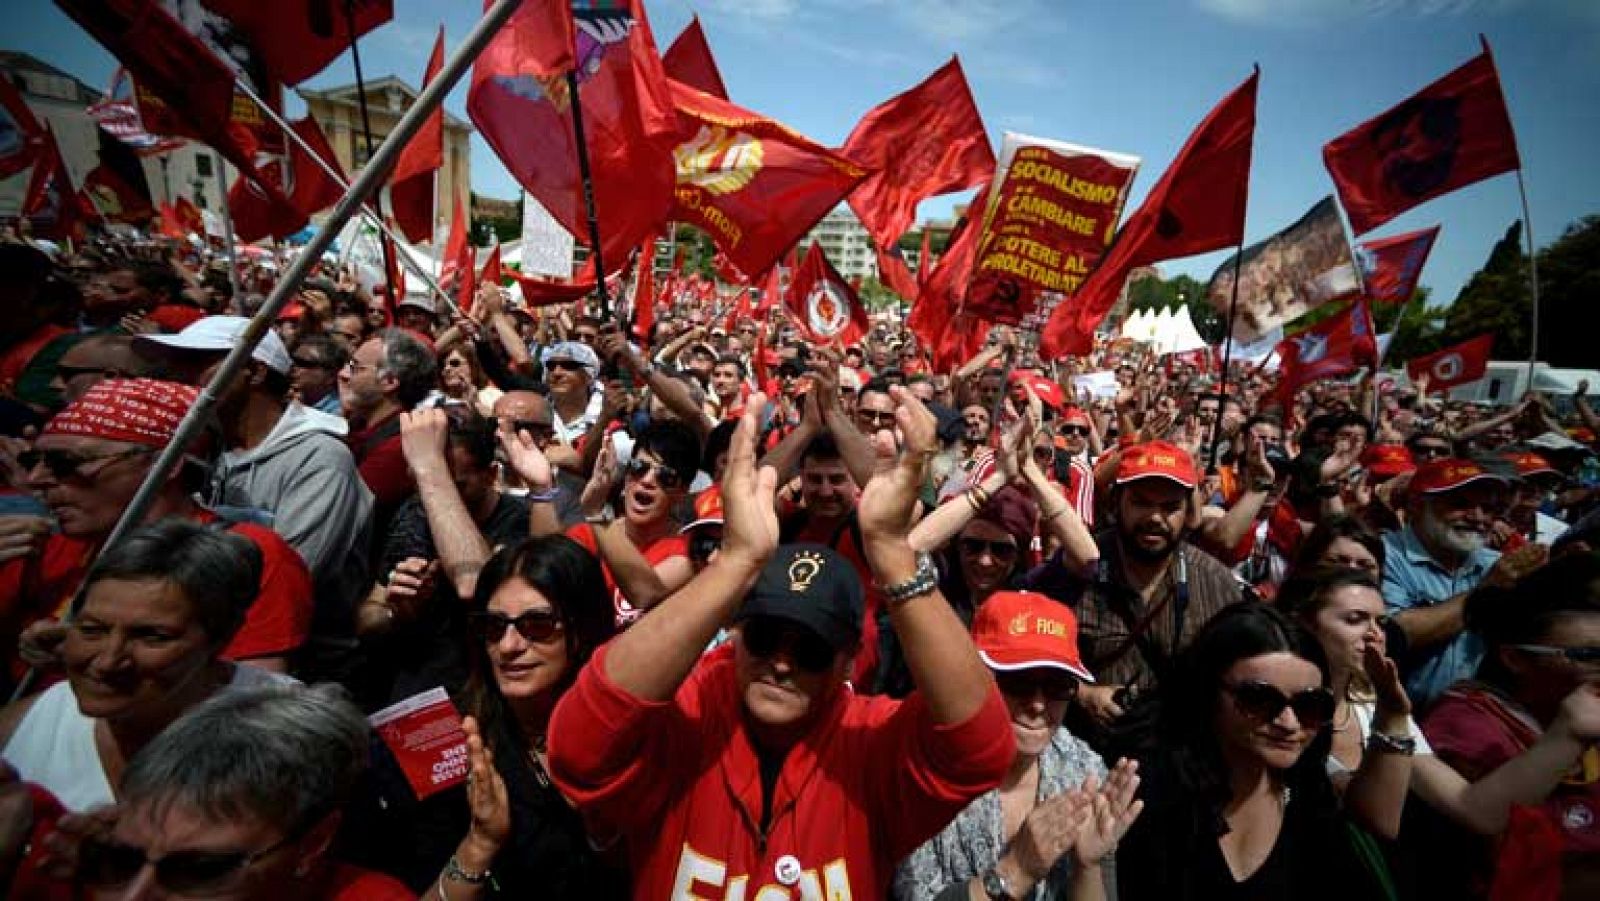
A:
667,477
765,636
565,365
105,864
1313,707
876,417
454,362
1001,551
587,337
64,465
1583,656
1056,685
702,544
533,625
306,363
1429,451
1082,431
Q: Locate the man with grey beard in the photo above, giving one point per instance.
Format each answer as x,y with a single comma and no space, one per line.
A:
1436,561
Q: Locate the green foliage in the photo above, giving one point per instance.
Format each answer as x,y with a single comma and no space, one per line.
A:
1569,288
486,230
876,295
1496,300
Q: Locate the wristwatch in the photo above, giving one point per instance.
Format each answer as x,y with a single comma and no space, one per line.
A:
994,885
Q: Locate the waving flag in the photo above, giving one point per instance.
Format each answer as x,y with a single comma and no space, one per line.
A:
119,114
519,101
689,60
21,137
454,244
926,141
1390,267
750,182
1336,346
824,304
1450,134
491,274
946,287
298,40
118,186
1458,365
1197,206
51,202
300,189
892,272
411,192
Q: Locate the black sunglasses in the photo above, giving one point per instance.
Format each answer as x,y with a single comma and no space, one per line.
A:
765,636
568,365
1082,431
703,543
876,417
1313,707
1001,551
1057,685
1578,655
106,863
533,625
63,465
667,477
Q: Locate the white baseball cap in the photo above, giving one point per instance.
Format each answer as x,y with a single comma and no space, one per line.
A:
221,333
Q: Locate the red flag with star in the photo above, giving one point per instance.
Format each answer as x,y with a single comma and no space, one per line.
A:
823,304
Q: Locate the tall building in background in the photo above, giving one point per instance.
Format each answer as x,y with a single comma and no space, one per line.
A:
846,242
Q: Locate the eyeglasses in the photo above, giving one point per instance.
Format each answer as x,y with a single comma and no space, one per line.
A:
588,337
1583,656
764,636
63,465
533,625
703,543
353,367
876,418
1313,707
565,365
307,363
667,477
1081,431
105,864
1057,685
454,362
1001,551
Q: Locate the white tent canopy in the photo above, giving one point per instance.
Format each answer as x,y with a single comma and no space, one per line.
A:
1170,330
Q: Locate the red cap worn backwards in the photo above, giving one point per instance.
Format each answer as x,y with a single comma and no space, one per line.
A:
1017,630
1439,476
1157,460
707,509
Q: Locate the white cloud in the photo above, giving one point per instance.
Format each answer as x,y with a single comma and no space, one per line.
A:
759,10
1321,12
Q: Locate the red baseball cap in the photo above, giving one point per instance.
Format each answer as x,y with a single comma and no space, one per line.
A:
1529,465
707,509
1016,630
1075,415
1157,459
1388,460
1448,474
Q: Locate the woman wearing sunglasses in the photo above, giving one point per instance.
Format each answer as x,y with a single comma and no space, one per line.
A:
1238,803
539,610
461,378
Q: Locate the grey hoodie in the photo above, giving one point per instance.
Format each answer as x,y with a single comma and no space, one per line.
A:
302,481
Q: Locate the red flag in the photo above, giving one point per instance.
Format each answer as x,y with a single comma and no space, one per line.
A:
946,287
21,137
491,268
454,244
644,292
314,190
538,291
1458,365
1336,346
924,259
926,141
411,193
893,273
750,182
51,202
823,304
118,186
1450,134
519,101
1197,206
259,213
1390,267
169,225
689,60
466,265
189,215
297,43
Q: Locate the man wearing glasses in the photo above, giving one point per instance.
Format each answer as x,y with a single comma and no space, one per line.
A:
317,359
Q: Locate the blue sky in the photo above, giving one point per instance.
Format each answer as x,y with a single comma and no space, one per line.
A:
1126,75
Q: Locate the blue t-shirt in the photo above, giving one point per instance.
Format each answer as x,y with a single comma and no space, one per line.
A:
1412,578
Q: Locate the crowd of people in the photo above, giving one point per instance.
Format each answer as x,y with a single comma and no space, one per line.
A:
731,613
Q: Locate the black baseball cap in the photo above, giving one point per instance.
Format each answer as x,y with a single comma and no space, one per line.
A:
812,586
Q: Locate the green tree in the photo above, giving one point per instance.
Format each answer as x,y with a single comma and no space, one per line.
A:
1569,286
1496,300
1418,328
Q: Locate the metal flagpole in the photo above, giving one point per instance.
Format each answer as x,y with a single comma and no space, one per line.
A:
588,194
388,247
1533,276
1227,357
227,226
377,221
365,184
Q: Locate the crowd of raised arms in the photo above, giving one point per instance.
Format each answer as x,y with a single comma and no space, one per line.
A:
726,614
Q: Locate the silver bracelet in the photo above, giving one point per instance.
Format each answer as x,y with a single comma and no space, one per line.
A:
924,581
454,872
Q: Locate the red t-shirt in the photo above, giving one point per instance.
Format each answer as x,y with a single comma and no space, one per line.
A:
680,782
382,464
657,552
350,883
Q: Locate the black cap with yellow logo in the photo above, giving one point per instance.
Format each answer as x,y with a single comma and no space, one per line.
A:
813,586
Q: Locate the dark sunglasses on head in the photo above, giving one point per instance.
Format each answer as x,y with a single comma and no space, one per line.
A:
703,543
1001,551
765,636
105,864
1313,707
62,464
534,625
1057,685
667,477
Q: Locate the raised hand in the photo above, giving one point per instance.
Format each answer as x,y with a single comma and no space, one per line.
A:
1051,830
749,505
887,509
1384,676
1113,808
486,797
422,438
1579,714
526,459
411,585
601,482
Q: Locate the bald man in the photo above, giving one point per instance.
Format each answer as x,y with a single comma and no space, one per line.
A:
100,357
529,411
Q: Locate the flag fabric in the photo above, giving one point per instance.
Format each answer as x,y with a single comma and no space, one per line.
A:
296,188
313,189
119,114
689,61
823,304
1197,206
51,202
1450,134
946,288
1390,267
411,192
21,136
296,43
466,267
189,215
454,244
519,102
892,272
1458,365
538,291
924,259
644,292
118,185
169,226
1287,275
926,141
752,183
1336,346
491,267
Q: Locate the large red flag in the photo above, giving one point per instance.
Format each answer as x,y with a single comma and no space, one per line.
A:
411,192
1336,346
892,272
519,101
454,243
929,140
1458,365
1450,134
1197,206
644,292
313,189
21,137
1390,267
120,191
491,267
946,287
689,60
750,182
823,304
924,259
296,41
259,213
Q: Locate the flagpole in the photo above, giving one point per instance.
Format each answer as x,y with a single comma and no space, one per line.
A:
389,252
1227,356
1533,276
432,97
588,193
365,212
227,226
